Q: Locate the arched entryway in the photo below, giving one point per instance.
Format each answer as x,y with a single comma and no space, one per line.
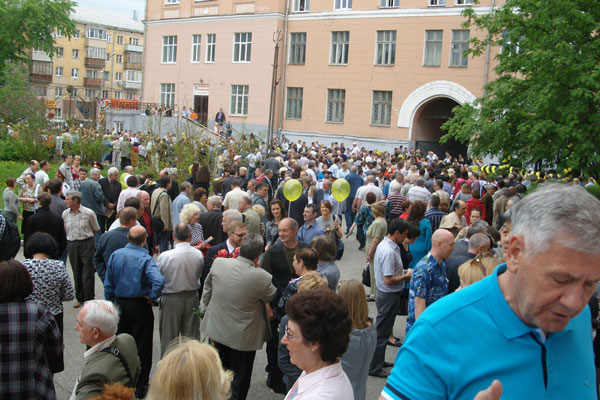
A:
426,128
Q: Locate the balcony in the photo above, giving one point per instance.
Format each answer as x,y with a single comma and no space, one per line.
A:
92,82
133,65
41,78
40,56
134,48
94,62
132,85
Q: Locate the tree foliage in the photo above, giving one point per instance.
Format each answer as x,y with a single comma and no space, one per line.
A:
28,24
543,107
18,102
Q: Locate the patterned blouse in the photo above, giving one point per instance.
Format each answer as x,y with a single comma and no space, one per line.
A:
197,234
29,192
51,284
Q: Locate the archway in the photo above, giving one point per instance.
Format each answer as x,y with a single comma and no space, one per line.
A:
426,128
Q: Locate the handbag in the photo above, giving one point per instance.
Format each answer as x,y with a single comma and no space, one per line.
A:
366,276
339,248
157,224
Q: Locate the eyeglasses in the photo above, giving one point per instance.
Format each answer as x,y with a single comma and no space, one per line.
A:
238,235
289,335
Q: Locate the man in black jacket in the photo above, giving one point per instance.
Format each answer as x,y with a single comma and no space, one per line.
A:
44,220
211,221
111,187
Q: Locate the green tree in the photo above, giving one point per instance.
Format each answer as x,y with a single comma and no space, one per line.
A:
18,102
544,105
28,24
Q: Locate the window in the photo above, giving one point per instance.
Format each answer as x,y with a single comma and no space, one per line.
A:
382,108
108,38
463,2
343,4
89,93
167,94
105,94
134,58
74,73
76,35
460,43
242,46
386,48
336,103
300,5
96,33
59,72
389,3
297,47
169,54
119,126
75,54
40,90
58,113
119,59
58,91
119,39
340,42
117,94
118,76
96,52
211,43
171,1
92,73
41,67
239,100
433,48
106,75
60,52
134,41
108,56
58,33
133,76
196,42
129,95
75,92
293,109
437,2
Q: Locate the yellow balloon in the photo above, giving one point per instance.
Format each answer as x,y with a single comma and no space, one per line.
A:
124,177
190,168
340,189
292,190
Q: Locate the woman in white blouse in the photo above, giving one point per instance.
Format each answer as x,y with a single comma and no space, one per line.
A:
316,335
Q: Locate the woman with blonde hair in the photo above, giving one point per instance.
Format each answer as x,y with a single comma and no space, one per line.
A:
363,337
189,215
190,370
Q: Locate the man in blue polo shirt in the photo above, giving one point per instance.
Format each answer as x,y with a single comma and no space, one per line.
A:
521,328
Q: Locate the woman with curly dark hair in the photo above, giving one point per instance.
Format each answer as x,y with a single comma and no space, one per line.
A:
421,246
317,334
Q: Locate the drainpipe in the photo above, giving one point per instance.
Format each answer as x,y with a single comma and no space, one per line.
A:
284,64
487,58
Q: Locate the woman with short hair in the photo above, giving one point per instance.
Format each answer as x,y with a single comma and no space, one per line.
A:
189,215
326,251
317,335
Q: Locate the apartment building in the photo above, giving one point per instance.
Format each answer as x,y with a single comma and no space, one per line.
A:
385,72
102,60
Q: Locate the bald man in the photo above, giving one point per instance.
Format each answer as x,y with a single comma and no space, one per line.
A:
429,282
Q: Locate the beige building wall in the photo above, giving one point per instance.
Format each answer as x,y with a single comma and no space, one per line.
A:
414,86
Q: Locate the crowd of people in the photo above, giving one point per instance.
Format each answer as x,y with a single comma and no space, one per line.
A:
227,257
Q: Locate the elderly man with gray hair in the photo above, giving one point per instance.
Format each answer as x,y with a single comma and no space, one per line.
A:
111,187
211,221
111,358
92,195
532,312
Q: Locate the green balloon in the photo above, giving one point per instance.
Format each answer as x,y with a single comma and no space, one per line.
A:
292,190
340,189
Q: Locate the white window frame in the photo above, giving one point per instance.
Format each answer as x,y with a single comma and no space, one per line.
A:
242,47
59,71
132,75
342,4
211,47
58,91
60,52
118,76
300,5
75,92
167,94
77,34
389,3
74,73
117,94
385,48
96,33
293,103
297,51
436,3
95,52
463,2
58,113
119,59
433,42
170,2
458,47
336,101
92,73
106,76
129,95
134,41
120,39
239,100
196,48
90,93
340,47
381,103
75,54
169,49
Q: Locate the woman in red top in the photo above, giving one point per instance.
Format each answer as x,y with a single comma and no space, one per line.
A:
472,203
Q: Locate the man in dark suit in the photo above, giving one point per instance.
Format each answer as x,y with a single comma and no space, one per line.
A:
211,221
236,232
111,187
44,220
478,244
462,246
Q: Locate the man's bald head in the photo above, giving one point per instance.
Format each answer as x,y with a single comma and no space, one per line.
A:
442,244
137,235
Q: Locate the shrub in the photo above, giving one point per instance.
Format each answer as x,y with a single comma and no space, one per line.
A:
594,190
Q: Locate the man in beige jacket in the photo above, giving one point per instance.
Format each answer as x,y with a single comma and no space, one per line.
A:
161,207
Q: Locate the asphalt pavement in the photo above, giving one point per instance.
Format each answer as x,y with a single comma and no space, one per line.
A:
351,266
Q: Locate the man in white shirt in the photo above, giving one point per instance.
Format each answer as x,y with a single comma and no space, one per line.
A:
368,187
419,192
41,177
131,191
232,198
182,269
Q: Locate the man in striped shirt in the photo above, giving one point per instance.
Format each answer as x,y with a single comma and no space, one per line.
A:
434,214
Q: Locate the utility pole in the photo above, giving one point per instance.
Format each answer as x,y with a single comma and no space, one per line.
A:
277,37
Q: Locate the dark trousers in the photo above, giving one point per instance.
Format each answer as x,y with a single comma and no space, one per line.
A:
105,222
241,363
125,161
81,253
137,319
387,308
349,214
164,239
275,373
26,215
360,235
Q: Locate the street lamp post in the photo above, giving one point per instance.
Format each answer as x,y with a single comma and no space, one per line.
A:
100,96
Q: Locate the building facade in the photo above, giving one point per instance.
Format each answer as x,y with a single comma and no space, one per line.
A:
387,72
102,60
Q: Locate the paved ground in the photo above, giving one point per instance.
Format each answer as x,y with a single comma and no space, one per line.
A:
350,266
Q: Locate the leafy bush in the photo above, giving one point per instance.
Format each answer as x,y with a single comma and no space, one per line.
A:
90,149
24,149
594,190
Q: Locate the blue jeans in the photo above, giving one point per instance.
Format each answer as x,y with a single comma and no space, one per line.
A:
348,214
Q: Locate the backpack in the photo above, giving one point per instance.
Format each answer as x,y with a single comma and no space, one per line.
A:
10,243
